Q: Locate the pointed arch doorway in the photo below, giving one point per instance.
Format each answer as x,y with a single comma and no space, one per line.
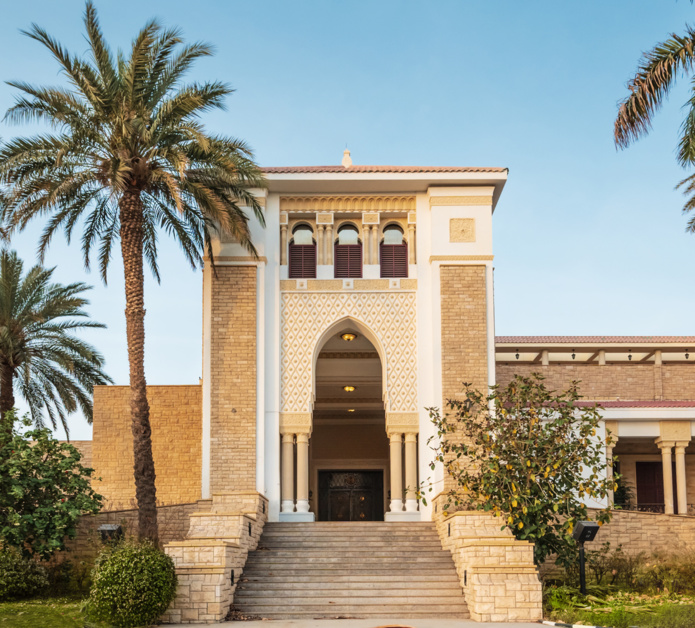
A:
349,453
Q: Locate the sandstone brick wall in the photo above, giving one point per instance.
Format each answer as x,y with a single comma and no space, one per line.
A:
633,382
85,449
648,532
176,419
464,332
464,328
233,379
173,522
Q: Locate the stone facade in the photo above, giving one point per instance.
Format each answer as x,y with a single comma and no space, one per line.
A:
175,414
464,328
635,382
210,561
233,379
497,573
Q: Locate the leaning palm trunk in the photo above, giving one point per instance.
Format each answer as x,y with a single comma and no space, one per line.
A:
143,462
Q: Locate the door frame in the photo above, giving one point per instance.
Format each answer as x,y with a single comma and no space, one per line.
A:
325,464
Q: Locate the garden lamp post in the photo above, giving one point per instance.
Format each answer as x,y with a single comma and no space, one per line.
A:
584,531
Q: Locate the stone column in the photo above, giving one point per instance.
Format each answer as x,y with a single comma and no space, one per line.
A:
411,244
302,472
320,230
665,447
396,443
366,246
681,485
411,472
283,244
609,473
329,245
375,244
288,473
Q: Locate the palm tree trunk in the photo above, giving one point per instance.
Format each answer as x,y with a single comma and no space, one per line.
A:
131,247
6,400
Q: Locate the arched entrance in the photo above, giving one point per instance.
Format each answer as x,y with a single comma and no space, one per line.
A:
349,452
350,456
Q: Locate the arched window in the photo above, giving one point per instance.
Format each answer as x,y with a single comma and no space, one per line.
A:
302,253
347,259
393,253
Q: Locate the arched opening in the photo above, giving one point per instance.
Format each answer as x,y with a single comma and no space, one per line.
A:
349,449
347,255
302,253
393,253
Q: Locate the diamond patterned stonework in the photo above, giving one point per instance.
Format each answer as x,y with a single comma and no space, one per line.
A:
389,315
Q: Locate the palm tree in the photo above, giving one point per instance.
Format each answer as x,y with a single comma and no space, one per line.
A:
128,158
656,74
51,369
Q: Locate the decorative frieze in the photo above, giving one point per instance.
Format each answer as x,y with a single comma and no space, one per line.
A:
457,201
348,203
331,285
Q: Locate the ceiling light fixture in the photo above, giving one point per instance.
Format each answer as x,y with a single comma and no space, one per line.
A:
349,388
348,337
351,409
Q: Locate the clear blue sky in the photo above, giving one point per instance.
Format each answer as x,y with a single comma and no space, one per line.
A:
587,240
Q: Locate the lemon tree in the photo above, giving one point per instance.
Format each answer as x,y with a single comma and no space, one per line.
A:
529,455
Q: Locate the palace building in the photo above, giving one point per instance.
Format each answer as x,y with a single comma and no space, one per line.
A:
371,299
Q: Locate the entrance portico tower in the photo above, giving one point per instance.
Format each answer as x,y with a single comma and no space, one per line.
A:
371,299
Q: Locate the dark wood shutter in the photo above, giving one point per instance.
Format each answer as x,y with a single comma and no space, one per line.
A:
347,260
393,259
302,261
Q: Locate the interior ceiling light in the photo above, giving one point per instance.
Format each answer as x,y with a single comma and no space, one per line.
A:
348,337
351,409
349,388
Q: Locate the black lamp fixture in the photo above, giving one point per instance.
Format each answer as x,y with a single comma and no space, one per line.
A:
584,531
110,532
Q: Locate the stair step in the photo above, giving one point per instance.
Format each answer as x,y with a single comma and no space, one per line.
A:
327,569
342,579
312,593
385,610
319,586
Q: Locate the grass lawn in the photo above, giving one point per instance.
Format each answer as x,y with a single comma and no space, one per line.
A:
50,612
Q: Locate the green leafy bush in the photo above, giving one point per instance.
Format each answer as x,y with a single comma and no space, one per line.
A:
20,577
43,491
132,585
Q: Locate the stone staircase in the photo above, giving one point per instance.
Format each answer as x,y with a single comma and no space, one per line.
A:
361,570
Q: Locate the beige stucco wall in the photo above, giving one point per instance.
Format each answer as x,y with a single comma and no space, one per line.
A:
175,416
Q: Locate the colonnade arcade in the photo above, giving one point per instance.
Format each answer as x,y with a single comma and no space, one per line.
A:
354,460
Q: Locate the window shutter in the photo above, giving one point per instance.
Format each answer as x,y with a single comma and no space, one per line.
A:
347,261
393,259
302,261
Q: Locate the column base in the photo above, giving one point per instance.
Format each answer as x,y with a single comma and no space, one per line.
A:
302,505
287,507
402,516
411,505
297,517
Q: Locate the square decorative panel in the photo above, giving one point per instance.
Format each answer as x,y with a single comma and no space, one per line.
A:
462,230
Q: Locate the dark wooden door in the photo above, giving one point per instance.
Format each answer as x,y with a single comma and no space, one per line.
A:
351,496
650,486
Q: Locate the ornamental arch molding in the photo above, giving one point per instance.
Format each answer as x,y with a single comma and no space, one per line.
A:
388,321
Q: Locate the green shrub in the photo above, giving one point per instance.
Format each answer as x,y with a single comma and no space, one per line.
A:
674,617
20,577
132,585
674,573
